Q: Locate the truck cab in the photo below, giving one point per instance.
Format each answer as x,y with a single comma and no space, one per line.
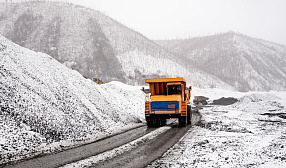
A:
168,98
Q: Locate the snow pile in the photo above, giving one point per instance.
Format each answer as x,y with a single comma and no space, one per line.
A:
129,100
249,133
42,102
216,93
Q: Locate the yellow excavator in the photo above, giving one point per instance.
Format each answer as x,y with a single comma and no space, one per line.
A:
98,81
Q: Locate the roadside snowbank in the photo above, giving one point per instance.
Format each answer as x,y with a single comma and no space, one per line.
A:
44,106
249,133
215,93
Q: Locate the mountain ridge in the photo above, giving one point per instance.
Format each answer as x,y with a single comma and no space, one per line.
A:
239,60
94,44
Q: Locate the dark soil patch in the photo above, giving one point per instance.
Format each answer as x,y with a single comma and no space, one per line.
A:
281,115
224,101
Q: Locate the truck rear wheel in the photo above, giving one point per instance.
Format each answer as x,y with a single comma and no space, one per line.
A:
182,121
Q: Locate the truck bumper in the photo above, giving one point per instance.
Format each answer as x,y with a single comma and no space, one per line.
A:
166,112
166,116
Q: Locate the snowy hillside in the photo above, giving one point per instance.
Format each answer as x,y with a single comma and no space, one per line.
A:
69,33
43,102
94,44
163,67
241,61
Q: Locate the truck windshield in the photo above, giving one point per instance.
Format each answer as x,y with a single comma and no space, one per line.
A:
174,89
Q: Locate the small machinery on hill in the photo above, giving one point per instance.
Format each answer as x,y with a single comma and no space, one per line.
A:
98,81
167,98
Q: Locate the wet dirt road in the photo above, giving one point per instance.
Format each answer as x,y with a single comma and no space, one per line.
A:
138,157
82,152
149,151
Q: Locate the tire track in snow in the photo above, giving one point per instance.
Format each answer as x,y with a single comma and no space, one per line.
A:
142,151
98,159
85,151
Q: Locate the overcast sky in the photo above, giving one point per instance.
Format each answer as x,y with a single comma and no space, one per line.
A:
168,19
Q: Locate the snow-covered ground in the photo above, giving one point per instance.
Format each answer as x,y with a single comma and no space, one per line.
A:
45,106
249,133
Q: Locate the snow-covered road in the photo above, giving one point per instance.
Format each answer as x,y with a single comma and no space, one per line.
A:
133,148
82,152
142,151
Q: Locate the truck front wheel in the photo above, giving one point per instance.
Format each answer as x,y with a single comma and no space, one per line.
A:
153,122
182,121
163,121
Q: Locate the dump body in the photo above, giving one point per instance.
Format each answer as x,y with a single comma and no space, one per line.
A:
168,98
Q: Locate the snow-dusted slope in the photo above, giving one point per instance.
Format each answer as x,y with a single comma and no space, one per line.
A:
241,61
94,44
69,33
42,102
164,67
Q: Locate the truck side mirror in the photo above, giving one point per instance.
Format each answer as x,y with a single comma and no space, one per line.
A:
190,87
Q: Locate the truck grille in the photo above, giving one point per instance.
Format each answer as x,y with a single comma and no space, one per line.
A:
164,105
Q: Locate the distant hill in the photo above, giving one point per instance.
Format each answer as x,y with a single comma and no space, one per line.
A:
241,61
94,44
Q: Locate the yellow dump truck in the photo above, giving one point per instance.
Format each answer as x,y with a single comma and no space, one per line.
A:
98,81
168,98
200,100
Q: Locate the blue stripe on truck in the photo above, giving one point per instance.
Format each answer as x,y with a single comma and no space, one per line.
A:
164,105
